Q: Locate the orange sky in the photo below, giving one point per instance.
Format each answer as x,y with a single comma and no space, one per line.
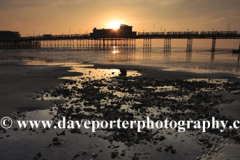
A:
58,16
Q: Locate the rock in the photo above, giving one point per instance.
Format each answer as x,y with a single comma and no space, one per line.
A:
123,72
161,138
84,152
168,148
55,139
173,151
49,145
94,155
122,154
135,157
159,149
39,154
114,155
75,156
62,133
15,129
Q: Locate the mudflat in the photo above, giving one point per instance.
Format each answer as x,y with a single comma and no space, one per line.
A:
19,83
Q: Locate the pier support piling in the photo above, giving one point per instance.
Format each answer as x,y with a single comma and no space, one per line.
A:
147,44
167,44
189,44
213,44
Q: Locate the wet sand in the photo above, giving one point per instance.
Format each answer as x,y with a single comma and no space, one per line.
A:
19,83
98,92
229,152
161,73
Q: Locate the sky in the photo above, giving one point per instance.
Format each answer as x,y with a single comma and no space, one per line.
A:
34,17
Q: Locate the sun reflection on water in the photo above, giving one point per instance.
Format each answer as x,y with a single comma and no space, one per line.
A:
115,50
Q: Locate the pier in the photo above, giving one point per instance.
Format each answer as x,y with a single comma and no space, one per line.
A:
107,39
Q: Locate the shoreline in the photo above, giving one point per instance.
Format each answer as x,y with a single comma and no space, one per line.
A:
31,80
151,72
22,82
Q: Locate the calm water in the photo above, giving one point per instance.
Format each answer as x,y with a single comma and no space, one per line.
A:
200,60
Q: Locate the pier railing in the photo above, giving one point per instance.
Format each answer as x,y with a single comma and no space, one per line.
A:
190,33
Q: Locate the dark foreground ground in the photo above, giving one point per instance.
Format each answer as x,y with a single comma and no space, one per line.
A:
101,94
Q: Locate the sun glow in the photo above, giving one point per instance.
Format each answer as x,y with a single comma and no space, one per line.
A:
115,50
114,25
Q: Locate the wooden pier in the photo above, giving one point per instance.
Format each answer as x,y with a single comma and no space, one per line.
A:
113,41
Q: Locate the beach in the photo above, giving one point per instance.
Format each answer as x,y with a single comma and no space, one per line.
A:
19,83
39,85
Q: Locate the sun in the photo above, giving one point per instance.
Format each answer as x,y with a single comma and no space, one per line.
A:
114,25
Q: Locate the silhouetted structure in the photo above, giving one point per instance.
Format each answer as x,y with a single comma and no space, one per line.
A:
123,31
13,40
9,35
236,50
123,72
108,39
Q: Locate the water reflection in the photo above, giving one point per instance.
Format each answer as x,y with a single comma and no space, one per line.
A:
146,54
212,56
121,56
188,56
115,51
200,60
166,55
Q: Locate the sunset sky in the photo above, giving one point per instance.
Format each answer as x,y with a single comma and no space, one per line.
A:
58,16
